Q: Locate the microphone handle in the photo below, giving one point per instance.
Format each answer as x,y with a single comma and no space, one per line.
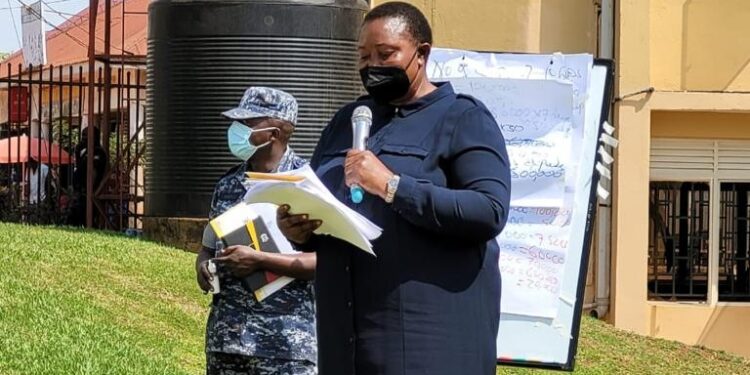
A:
357,194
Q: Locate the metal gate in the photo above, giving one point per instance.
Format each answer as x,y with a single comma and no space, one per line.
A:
43,145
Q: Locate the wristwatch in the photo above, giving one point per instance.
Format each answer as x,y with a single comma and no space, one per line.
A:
391,187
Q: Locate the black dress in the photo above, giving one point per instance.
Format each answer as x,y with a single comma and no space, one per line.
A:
429,303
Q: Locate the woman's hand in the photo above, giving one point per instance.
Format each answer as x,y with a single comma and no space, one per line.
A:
241,260
296,228
363,168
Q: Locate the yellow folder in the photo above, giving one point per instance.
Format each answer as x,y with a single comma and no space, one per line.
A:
273,177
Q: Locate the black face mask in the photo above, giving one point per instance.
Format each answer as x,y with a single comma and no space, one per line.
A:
386,83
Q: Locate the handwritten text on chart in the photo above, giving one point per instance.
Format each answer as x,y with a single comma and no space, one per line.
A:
534,164
532,260
532,273
520,116
450,64
538,172
538,215
533,250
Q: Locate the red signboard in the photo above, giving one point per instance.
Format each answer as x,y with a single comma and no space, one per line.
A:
18,104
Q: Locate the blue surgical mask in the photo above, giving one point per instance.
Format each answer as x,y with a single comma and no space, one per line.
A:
238,137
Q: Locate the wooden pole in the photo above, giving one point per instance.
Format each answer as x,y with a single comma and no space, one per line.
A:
93,10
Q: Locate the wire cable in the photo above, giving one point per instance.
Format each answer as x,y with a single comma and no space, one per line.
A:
15,27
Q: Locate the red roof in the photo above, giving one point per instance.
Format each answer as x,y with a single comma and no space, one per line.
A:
69,44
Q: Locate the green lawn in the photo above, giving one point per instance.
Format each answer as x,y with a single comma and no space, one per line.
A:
74,302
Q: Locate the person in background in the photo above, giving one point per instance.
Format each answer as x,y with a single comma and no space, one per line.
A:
77,215
39,181
244,336
437,179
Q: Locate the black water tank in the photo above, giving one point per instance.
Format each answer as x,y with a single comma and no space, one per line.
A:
203,54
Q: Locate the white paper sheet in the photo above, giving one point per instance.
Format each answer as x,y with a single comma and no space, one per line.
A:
310,196
537,133
532,260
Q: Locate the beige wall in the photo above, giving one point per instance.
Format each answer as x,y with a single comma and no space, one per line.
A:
700,45
512,25
722,327
700,124
679,47
630,193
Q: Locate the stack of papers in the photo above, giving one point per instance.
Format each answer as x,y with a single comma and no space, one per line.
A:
305,194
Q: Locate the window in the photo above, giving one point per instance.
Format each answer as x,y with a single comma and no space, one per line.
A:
734,263
678,248
699,221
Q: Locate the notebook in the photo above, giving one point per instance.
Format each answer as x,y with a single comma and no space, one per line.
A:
243,224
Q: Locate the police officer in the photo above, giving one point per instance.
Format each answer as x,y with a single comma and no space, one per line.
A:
244,336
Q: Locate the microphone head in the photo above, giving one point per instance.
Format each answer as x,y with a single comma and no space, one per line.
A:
362,113
361,122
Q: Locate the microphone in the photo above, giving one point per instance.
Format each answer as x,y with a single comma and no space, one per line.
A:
361,122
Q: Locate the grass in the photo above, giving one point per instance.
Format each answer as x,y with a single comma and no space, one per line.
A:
88,303
76,302
605,350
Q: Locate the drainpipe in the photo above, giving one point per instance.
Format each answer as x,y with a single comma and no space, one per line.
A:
604,238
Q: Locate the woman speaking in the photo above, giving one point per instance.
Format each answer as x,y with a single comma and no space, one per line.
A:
437,180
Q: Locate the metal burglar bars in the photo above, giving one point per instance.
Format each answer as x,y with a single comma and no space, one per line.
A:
699,244
734,262
679,241
43,145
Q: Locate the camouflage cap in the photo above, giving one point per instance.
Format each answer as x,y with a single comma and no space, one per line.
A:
265,102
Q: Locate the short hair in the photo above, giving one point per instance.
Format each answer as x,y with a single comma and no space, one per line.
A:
416,23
